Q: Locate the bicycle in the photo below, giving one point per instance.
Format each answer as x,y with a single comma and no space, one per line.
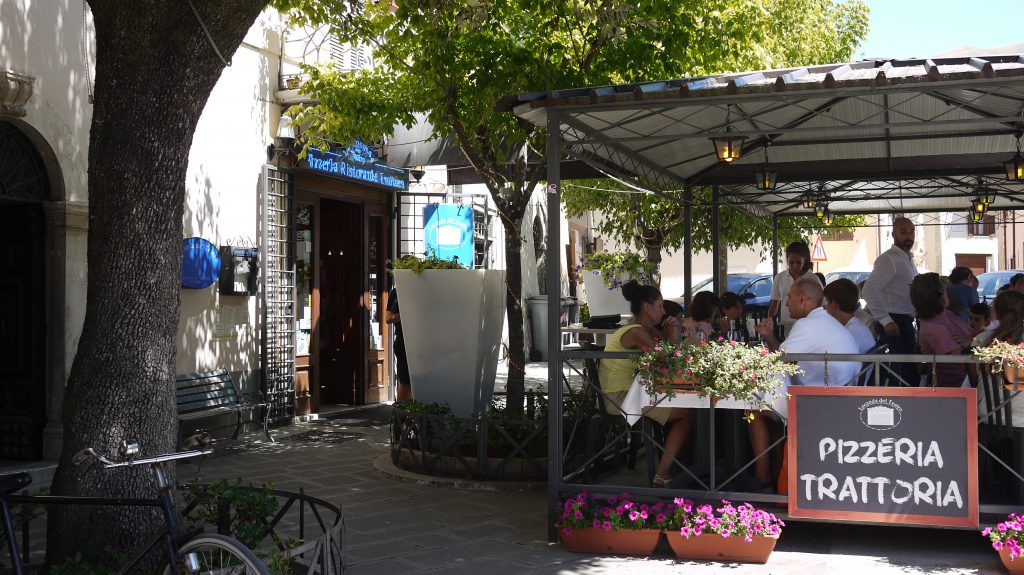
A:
183,551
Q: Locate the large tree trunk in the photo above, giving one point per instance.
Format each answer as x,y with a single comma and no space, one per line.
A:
653,254
154,73
515,387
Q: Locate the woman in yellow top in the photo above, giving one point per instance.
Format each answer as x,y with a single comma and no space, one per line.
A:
617,375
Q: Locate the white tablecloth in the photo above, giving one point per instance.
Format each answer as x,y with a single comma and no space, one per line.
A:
637,398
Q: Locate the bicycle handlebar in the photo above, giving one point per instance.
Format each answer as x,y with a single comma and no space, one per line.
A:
129,450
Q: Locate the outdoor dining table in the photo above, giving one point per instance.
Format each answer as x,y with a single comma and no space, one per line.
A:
637,399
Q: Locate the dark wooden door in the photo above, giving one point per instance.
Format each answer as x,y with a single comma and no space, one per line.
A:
22,331
341,326
977,262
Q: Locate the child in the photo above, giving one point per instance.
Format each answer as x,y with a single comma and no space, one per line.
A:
981,323
979,315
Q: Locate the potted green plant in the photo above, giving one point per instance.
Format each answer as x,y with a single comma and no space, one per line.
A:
731,533
618,525
452,320
602,275
716,369
1007,538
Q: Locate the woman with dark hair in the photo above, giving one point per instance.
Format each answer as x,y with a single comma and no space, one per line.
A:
1009,311
701,323
617,374
798,263
941,331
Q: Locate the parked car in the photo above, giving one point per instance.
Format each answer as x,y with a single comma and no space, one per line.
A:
856,276
990,282
756,289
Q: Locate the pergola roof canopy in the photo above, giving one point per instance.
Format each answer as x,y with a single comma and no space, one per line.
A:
871,136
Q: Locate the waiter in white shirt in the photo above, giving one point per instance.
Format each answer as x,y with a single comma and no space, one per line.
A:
887,293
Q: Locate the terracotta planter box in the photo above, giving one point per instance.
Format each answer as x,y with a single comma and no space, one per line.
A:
1014,377
625,542
1013,566
714,547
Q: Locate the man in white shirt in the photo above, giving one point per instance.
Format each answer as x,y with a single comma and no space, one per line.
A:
887,293
841,303
814,332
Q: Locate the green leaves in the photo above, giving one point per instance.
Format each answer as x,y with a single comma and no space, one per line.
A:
647,220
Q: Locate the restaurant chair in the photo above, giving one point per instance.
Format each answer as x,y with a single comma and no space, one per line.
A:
868,369
604,427
997,433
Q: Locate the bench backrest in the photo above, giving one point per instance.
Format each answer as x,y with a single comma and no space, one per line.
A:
205,390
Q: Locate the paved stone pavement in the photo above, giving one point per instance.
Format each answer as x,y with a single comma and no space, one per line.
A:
398,524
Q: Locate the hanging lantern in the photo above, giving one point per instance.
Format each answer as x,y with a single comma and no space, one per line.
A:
728,148
820,210
809,201
764,179
986,195
1015,165
975,217
827,217
978,206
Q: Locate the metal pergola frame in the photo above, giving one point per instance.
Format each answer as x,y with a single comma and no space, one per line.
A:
897,136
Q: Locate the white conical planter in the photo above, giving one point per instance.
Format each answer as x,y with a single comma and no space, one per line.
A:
600,299
452,321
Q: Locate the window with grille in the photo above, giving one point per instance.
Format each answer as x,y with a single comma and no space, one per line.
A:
986,227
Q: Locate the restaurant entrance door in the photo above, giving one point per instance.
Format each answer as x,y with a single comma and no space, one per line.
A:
341,344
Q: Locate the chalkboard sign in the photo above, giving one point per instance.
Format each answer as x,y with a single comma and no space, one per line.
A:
886,455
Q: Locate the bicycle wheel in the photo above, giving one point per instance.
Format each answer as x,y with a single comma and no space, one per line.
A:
220,555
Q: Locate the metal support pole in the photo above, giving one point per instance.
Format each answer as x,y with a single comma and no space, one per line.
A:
687,244
717,281
554,330
775,246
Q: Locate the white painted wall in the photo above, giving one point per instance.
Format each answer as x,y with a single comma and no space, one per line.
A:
44,39
223,185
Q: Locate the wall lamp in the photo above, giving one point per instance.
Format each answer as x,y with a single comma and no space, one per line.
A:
284,141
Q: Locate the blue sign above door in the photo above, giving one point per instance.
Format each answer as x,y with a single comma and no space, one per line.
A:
200,263
357,162
448,232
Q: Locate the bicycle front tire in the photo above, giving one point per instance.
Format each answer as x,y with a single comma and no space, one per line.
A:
221,555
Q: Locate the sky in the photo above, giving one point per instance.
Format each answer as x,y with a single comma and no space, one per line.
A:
924,28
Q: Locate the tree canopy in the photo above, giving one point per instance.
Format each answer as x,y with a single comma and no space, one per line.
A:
452,60
651,221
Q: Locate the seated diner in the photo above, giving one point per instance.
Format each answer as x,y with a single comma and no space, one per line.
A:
617,374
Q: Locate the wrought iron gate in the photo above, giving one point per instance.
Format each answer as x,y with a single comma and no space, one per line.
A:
277,283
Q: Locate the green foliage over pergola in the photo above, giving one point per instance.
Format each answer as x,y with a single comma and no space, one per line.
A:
653,222
452,60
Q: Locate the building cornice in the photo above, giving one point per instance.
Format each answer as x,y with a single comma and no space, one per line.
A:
15,92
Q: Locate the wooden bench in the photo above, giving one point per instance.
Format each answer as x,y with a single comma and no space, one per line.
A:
211,393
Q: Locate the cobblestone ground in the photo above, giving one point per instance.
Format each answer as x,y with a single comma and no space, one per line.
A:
398,527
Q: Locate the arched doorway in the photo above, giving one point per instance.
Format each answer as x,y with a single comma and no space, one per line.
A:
24,187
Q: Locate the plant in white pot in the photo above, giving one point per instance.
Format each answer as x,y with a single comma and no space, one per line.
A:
602,275
452,321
